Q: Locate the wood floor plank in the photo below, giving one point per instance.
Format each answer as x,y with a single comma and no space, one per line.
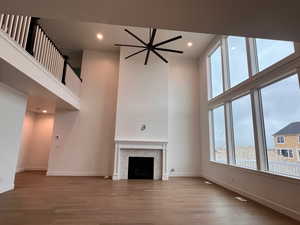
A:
42,200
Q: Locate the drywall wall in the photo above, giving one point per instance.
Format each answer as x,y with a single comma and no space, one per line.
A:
12,112
184,117
271,190
36,142
83,141
142,98
27,129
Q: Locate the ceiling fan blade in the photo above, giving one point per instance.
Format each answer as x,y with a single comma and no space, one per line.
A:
152,37
135,53
134,46
169,50
147,57
136,37
159,55
167,41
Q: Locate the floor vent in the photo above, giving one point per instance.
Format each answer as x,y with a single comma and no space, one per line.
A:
241,199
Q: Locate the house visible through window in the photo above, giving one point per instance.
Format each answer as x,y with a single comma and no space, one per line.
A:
280,139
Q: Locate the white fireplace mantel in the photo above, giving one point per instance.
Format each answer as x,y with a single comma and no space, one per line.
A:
133,144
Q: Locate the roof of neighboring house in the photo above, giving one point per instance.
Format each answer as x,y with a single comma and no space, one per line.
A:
292,128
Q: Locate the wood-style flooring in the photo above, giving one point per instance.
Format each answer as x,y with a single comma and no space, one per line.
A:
41,200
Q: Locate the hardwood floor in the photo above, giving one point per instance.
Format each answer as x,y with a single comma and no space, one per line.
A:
41,200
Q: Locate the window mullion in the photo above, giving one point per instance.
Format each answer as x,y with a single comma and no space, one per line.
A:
228,111
212,136
257,113
229,134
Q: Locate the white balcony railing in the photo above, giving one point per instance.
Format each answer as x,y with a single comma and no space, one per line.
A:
29,35
45,52
72,81
17,27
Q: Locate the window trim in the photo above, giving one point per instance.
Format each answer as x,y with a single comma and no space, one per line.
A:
280,136
257,80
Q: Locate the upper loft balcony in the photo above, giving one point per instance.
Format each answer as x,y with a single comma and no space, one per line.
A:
32,63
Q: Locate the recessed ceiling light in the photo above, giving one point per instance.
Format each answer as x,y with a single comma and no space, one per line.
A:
190,44
100,36
44,111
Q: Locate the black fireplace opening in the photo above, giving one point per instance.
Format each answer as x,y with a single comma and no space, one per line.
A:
140,168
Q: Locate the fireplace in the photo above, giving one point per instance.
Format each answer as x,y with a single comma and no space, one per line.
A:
140,155
140,167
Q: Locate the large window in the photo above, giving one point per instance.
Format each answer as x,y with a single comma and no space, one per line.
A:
272,51
281,110
237,55
243,132
219,139
255,125
216,73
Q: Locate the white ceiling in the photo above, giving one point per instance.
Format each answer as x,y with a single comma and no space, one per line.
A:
275,19
76,36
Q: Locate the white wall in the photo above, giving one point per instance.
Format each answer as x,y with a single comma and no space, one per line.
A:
276,192
12,112
142,98
86,138
36,142
184,117
27,129
165,97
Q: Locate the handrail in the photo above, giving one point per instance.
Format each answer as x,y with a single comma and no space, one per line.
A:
32,37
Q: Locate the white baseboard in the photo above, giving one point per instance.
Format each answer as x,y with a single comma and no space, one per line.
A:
266,202
74,173
19,170
184,174
6,188
35,169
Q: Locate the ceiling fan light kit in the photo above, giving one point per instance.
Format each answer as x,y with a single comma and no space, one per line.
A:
150,46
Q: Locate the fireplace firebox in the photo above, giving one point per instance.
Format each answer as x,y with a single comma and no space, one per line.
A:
140,167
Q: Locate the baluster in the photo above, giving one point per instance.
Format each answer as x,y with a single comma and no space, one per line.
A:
41,38
43,49
26,32
23,31
1,20
15,28
35,41
38,44
52,59
6,23
47,62
19,29
11,24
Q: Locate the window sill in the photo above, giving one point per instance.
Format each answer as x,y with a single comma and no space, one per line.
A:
285,178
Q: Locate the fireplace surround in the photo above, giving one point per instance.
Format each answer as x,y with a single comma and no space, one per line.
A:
156,149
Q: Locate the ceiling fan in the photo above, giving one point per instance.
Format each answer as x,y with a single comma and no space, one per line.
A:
150,46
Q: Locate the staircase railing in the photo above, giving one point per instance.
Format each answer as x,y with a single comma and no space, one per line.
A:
26,32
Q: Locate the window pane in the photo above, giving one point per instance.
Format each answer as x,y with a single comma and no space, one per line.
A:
219,135
243,132
216,72
271,51
238,65
281,109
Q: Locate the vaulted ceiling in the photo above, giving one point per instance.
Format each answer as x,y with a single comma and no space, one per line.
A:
274,19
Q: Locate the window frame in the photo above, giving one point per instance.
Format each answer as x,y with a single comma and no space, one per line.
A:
280,136
256,81
209,66
212,136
